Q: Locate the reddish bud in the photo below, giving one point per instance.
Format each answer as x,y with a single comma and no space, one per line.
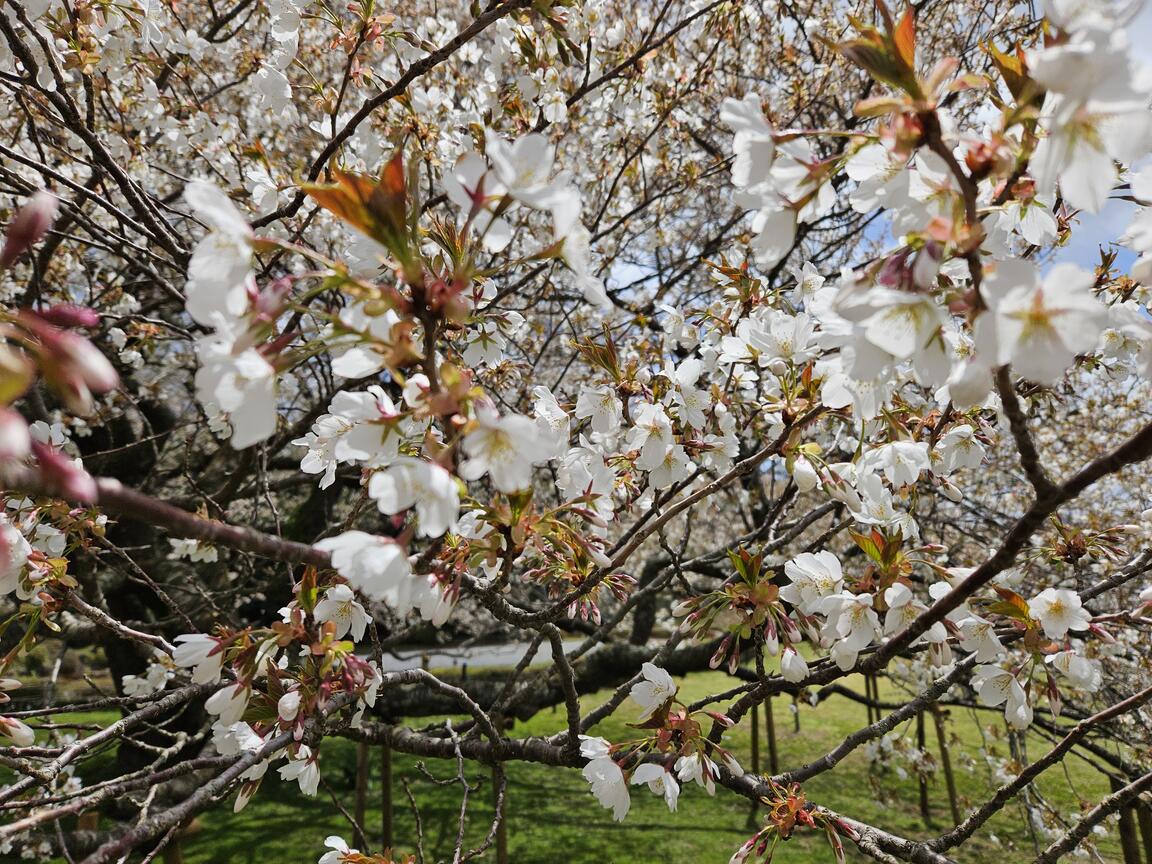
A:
63,475
72,365
980,159
70,315
30,224
270,302
85,367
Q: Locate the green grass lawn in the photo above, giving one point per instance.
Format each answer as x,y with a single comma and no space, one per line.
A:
552,816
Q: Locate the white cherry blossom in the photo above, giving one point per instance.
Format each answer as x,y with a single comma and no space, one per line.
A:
1039,325
409,482
220,271
814,575
339,606
377,566
504,448
653,691
1059,610
202,654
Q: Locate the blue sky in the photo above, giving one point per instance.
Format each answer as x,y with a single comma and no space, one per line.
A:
1096,230
1090,231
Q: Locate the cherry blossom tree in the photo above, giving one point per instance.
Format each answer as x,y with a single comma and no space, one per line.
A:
659,338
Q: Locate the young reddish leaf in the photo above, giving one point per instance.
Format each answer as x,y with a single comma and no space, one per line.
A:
1011,605
871,544
905,37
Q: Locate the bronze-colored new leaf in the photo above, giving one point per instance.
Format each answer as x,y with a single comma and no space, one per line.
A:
377,208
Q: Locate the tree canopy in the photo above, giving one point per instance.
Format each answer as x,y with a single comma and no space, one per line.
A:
655,338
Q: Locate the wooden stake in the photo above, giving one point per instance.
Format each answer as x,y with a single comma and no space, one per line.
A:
502,828
755,764
946,762
361,807
386,797
925,808
755,739
770,728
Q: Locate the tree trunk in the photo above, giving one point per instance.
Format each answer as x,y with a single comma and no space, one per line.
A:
1144,820
1129,841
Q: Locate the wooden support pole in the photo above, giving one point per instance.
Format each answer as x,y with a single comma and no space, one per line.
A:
754,767
386,797
921,742
361,807
770,728
502,828
755,739
946,763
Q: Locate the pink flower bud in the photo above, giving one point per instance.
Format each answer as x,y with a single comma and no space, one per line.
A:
70,315
30,224
15,441
72,365
894,272
926,266
92,365
270,301
723,719
63,475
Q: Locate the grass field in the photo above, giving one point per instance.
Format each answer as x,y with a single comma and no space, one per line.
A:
553,817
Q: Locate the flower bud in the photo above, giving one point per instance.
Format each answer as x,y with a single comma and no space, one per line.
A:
926,266
70,315
599,558
15,440
64,476
288,706
270,302
804,473
74,367
793,667
19,733
30,224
